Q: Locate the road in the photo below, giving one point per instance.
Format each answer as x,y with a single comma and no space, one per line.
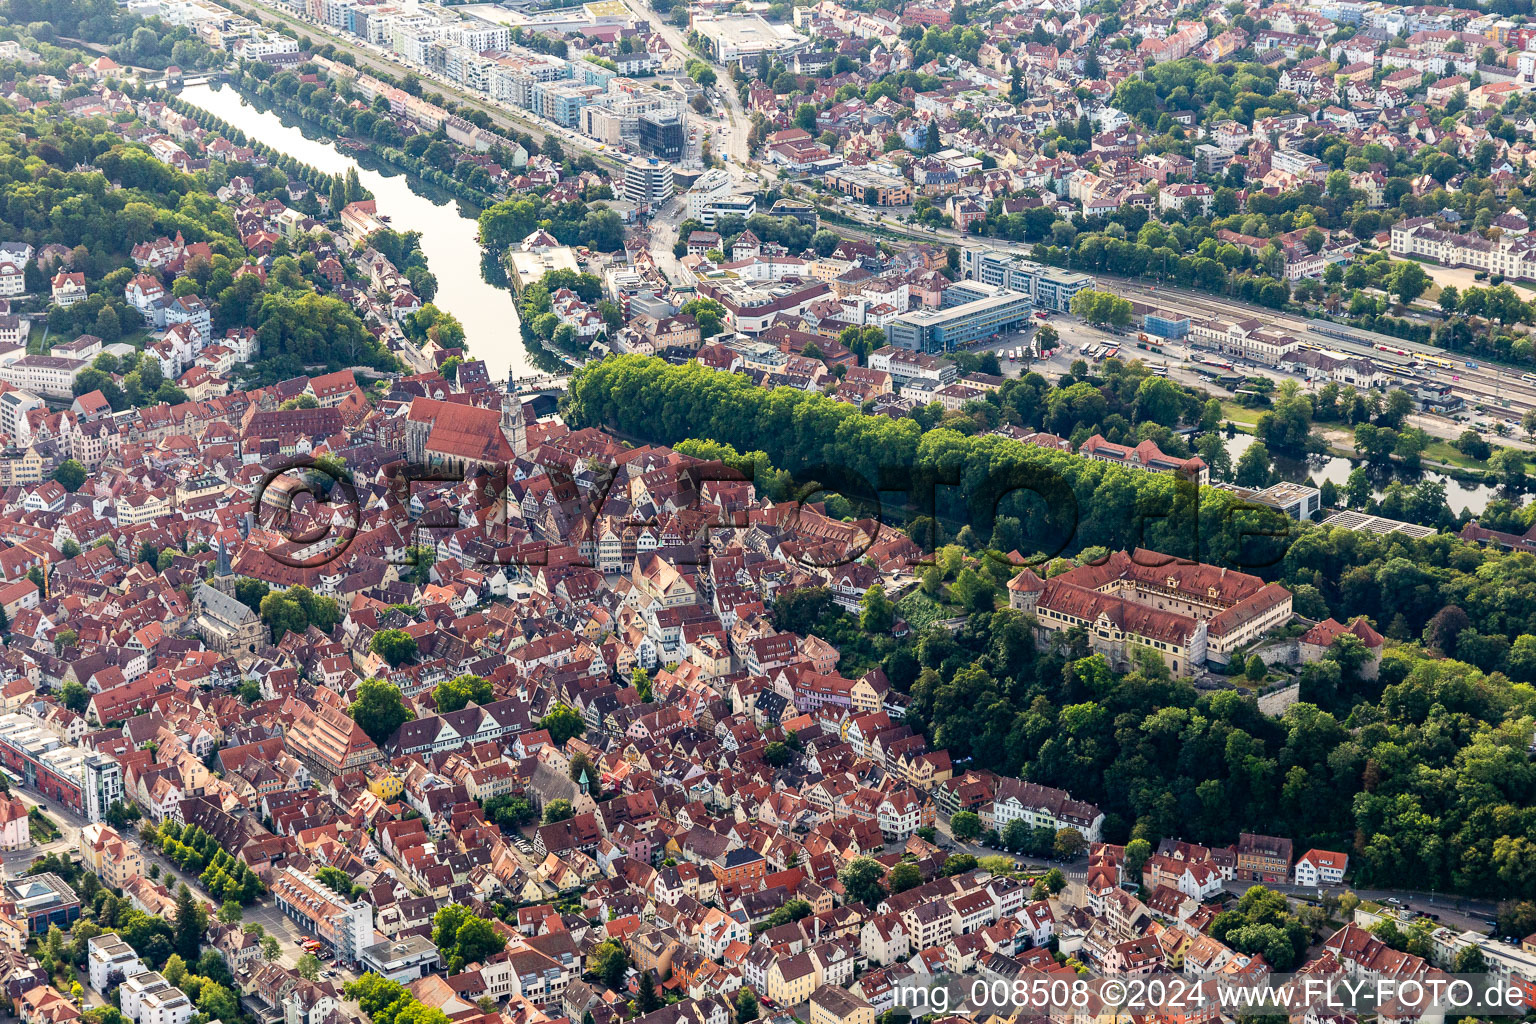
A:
1485,384
1075,870
376,59
1452,911
15,862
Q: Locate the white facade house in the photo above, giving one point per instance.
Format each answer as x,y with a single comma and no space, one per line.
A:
1044,807
111,961
1321,867
149,999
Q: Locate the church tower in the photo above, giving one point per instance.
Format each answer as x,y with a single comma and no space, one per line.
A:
513,427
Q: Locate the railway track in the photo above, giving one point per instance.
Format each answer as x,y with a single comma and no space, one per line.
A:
1479,387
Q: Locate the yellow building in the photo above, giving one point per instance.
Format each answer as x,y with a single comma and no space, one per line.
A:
108,856
833,1005
792,979
385,786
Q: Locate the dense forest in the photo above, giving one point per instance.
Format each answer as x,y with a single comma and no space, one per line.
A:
1422,774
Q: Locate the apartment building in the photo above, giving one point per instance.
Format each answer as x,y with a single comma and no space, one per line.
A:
1043,807
149,999
1046,287
1513,256
108,856
1263,858
110,961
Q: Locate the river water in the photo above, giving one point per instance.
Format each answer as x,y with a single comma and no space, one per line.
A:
1459,494
488,313
448,237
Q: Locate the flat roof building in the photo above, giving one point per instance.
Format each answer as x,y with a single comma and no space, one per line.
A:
526,266
661,134
648,180
741,38
1047,287
404,960
949,327
44,900
1364,523
85,781
1299,501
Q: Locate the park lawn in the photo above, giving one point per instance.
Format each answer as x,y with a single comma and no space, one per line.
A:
1443,452
1242,415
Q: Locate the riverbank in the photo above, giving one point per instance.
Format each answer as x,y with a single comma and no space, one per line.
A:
1465,489
258,91
311,176
448,234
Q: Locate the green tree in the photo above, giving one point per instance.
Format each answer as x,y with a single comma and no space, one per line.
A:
973,591
746,1006
709,315
904,876
461,691
379,709
70,474
1253,467
1409,281
1470,960
965,825
463,937
1137,852
395,646
1101,308
861,878
647,1000
558,810
1070,843
877,614
74,696
609,962
958,864
563,722
190,923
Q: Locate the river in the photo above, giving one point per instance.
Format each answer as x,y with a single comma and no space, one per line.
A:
448,237
1459,494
